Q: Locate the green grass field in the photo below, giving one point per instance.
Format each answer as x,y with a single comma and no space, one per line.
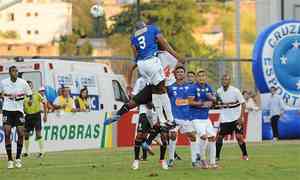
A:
267,161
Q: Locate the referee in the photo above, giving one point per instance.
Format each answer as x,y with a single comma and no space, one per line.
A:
33,119
232,104
14,90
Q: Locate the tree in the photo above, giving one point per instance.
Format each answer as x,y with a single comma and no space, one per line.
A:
67,45
177,19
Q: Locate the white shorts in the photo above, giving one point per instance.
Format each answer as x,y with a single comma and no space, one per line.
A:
139,85
152,70
169,63
184,126
204,127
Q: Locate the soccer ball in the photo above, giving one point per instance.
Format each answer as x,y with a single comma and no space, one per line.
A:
97,11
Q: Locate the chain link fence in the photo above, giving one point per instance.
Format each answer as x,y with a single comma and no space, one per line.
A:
215,68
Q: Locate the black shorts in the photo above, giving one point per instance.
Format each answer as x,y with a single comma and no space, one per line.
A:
144,125
33,121
144,96
230,127
13,118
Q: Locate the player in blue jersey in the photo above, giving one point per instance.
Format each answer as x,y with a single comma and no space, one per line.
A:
178,93
145,42
201,98
155,60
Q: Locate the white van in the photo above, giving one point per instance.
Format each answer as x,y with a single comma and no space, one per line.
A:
106,89
80,130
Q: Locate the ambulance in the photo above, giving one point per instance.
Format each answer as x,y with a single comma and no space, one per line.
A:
80,130
106,89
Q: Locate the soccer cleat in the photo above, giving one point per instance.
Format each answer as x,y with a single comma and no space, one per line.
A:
170,162
217,159
198,158
246,158
164,164
114,118
213,166
143,159
147,147
177,157
135,165
25,155
274,140
195,164
18,163
40,155
203,164
10,165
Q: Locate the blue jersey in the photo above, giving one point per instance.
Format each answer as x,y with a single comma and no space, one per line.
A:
178,95
144,40
200,93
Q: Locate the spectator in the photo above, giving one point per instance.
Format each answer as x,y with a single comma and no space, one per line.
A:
276,107
64,101
50,107
81,102
250,103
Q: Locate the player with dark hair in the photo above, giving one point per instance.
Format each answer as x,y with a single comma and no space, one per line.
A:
201,100
232,105
14,90
191,76
178,93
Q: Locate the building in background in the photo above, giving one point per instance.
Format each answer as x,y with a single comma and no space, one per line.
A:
32,26
272,11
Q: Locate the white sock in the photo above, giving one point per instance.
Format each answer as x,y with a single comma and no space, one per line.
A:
165,102
194,151
156,100
212,152
172,147
202,148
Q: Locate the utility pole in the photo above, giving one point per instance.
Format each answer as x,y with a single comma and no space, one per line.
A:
237,68
138,10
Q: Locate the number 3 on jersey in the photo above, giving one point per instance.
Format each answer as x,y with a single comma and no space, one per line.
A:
142,42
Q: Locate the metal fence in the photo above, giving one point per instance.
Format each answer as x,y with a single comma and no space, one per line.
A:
214,67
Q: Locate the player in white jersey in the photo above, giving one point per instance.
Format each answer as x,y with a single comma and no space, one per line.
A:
232,105
14,89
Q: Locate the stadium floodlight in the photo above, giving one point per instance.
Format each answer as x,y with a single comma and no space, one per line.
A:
7,3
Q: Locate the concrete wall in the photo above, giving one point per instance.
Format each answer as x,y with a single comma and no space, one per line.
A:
38,21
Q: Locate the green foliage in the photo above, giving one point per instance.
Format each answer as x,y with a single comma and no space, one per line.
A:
86,49
176,19
248,28
68,46
82,21
120,43
9,34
